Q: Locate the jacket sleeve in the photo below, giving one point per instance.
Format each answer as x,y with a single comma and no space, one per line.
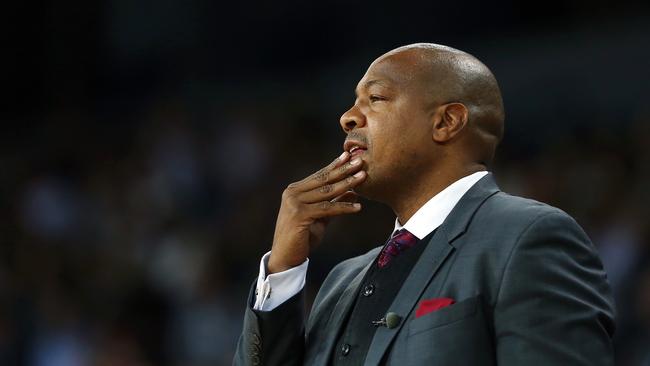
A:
274,337
554,305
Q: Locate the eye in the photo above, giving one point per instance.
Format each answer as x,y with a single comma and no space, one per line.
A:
376,98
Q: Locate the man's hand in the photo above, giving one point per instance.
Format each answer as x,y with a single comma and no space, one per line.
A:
306,207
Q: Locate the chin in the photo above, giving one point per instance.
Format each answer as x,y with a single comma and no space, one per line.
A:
379,187
369,190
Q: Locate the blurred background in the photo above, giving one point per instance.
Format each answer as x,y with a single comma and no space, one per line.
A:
145,145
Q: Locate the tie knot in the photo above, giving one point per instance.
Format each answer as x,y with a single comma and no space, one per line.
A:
399,242
404,236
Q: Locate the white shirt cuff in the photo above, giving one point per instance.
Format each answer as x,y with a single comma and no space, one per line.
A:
276,288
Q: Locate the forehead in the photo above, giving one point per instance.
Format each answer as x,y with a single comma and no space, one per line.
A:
398,70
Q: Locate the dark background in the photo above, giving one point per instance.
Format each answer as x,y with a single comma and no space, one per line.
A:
145,145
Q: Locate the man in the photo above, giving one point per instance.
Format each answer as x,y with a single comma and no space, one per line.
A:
471,276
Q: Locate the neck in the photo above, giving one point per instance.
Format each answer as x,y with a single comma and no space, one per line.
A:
408,201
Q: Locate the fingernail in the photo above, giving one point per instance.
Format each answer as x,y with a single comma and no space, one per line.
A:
345,153
358,174
357,205
355,161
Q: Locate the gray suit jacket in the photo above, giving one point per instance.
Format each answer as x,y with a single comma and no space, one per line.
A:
528,284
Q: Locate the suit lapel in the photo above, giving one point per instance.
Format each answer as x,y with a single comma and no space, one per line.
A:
437,250
339,312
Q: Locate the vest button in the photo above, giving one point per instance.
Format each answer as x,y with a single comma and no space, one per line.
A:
345,349
368,290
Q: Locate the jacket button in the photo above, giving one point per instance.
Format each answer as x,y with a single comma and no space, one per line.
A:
368,290
345,349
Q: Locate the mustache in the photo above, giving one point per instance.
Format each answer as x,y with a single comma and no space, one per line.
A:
357,136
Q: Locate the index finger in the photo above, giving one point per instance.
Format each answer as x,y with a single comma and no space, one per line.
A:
322,175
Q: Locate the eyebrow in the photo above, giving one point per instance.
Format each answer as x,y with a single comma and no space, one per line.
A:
370,83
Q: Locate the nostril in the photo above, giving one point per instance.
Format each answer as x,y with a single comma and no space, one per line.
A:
349,125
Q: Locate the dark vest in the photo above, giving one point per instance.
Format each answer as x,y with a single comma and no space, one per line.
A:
376,293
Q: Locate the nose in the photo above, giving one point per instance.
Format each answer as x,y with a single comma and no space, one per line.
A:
352,118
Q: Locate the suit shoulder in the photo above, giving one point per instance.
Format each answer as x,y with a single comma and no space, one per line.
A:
504,218
505,207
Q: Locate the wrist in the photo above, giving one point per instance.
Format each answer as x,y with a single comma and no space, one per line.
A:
276,266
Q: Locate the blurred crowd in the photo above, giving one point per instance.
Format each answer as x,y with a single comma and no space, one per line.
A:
137,244
142,169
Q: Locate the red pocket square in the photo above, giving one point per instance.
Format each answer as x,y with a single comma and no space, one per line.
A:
431,305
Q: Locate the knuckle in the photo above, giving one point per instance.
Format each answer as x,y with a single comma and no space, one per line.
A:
326,189
325,205
287,193
322,176
343,168
292,186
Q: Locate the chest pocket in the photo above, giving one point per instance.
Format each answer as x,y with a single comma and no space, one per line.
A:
447,315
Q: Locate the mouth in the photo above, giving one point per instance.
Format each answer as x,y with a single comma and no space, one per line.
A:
355,151
355,148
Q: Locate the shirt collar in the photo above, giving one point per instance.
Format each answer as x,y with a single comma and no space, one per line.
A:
432,214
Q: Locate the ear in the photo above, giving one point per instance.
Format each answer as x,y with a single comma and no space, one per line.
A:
448,121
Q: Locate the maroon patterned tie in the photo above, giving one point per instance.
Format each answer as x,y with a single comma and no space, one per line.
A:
399,242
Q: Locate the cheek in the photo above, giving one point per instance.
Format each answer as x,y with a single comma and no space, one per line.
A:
403,158
392,153
395,139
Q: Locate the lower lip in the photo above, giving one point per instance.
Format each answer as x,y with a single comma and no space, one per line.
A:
358,152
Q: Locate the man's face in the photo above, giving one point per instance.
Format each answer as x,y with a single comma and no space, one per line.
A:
391,119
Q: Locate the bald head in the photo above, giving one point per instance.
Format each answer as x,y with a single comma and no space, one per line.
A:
449,75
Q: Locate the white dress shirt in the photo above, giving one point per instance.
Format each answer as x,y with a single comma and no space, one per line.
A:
286,284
